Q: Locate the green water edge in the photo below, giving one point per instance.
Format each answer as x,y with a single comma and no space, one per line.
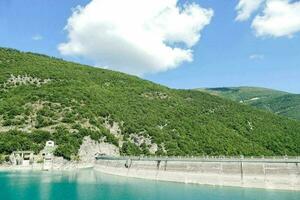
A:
89,185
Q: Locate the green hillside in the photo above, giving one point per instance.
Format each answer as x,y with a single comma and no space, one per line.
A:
44,98
279,102
286,105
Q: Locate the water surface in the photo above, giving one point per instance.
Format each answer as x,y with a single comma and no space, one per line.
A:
90,185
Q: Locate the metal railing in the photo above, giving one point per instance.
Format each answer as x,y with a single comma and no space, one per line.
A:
261,159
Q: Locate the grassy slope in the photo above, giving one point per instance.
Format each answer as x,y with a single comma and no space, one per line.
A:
286,105
194,123
275,101
244,94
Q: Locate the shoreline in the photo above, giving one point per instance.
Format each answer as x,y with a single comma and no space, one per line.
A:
40,167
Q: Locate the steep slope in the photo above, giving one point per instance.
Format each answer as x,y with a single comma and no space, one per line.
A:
44,98
279,102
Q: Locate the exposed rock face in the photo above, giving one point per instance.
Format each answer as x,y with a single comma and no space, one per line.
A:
15,81
153,148
155,95
139,140
115,130
90,148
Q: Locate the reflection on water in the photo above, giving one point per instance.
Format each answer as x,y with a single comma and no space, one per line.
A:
88,184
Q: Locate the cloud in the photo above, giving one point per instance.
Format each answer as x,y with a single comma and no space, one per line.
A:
37,37
135,36
277,18
246,8
256,57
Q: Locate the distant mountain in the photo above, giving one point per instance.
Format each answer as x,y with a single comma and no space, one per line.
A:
44,98
279,102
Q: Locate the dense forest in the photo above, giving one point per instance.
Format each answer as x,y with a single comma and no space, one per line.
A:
43,98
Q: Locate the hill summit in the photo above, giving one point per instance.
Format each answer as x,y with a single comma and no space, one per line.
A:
44,98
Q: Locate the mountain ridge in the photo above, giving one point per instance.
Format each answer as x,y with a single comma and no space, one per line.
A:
279,102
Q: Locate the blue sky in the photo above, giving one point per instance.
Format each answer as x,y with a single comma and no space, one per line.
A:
228,53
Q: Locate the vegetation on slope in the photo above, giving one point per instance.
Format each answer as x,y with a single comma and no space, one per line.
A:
44,98
278,102
286,105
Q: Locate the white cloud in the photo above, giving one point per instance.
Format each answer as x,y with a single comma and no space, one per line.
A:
37,37
246,8
279,18
136,36
256,57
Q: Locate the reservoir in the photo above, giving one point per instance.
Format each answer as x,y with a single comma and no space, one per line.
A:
92,185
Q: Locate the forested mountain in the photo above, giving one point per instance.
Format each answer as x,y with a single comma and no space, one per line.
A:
44,98
278,102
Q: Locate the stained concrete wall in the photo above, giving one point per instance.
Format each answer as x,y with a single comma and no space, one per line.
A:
284,176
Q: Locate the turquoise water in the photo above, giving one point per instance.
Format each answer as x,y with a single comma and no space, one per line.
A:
90,185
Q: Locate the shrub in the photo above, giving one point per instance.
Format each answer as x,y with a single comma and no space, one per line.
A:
66,151
2,159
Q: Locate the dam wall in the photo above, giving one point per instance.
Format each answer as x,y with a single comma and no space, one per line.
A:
265,174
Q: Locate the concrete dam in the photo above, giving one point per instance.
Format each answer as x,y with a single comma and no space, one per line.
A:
268,173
